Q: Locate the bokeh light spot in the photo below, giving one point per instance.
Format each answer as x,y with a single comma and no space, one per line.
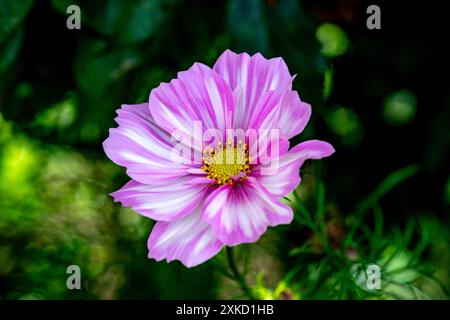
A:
346,123
400,107
24,90
333,39
19,160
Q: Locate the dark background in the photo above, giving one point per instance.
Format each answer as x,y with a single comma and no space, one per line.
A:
379,96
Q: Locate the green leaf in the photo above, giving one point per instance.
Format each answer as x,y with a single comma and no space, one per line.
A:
372,200
97,66
59,116
388,184
11,15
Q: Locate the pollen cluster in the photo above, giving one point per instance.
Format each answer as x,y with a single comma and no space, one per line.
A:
227,164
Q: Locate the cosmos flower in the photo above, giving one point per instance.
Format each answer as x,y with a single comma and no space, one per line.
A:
232,193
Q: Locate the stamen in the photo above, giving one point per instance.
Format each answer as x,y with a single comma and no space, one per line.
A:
227,164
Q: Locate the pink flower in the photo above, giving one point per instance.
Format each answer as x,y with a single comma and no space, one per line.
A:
200,206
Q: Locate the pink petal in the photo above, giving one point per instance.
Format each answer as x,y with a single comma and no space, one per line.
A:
189,240
266,107
290,115
293,115
243,213
267,148
311,149
284,178
250,78
142,147
167,202
198,94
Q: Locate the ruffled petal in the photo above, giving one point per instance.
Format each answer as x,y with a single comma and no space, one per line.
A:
282,175
267,147
145,149
189,240
290,115
167,202
243,213
293,115
251,78
197,95
310,149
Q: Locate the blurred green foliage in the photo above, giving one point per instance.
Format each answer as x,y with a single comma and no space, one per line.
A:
12,14
333,39
59,89
345,123
400,107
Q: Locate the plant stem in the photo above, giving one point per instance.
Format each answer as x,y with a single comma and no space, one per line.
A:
237,276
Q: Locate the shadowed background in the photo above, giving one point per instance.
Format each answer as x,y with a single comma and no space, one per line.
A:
383,197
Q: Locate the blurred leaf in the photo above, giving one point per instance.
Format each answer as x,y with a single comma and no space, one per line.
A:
17,165
10,48
334,40
247,25
385,186
97,66
147,78
346,123
400,107
90,131
59,116
328,82
5,130
143,21
11,15
123,21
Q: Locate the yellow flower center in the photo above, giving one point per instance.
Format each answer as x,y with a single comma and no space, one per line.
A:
227,164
